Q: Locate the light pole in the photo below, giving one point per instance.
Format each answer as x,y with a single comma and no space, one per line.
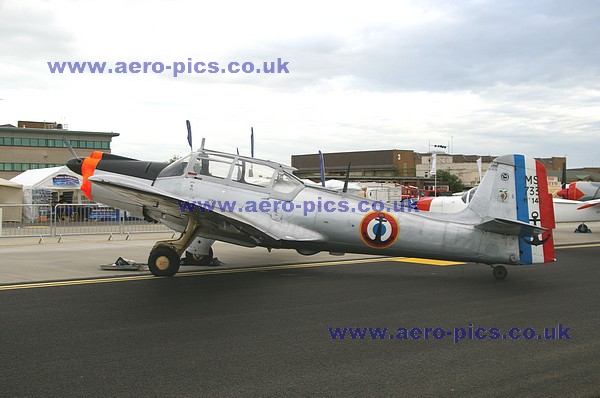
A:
434,166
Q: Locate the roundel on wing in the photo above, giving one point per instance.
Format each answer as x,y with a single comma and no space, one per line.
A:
379,229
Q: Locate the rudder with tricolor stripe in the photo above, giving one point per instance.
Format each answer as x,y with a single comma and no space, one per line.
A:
534,206
513,200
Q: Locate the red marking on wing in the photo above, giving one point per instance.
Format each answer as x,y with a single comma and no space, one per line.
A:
589,204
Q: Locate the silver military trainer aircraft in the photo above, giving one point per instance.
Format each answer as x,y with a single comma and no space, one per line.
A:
212,195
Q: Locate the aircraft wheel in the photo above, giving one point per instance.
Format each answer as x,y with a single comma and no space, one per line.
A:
193,259
500,272
163,261
582,228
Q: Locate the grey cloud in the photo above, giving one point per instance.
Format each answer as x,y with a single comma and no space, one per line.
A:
474,46
30,37
489,43
28,33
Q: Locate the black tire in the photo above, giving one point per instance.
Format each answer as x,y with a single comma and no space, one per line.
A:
500,272
163,261
582,228
191,259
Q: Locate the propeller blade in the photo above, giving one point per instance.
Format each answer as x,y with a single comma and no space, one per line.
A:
322,166
68,145
564,176
189,136
347,179
251,141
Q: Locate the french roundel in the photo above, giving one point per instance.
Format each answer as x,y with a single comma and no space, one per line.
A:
379,229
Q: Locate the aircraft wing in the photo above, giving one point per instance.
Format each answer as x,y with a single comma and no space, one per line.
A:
589,203
214,224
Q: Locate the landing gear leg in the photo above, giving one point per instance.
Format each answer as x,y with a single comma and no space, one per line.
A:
195,259
164,259
500,272
200,252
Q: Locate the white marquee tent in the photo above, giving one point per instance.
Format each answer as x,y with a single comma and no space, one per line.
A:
40,184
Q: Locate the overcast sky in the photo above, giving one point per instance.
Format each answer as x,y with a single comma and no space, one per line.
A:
491,77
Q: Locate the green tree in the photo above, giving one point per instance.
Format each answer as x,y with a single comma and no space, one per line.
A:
455,184
174,158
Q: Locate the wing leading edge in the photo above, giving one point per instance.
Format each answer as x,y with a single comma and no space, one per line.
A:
214,225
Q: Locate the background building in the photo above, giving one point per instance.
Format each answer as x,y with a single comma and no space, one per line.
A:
463,166
366,165
401,166
580,174
36,145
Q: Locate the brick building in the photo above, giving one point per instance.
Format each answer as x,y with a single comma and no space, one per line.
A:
36,145
399,166
366,165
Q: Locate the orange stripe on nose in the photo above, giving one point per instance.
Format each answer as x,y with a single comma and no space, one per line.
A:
87,169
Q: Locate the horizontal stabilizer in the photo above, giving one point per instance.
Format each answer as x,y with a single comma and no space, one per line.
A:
510,227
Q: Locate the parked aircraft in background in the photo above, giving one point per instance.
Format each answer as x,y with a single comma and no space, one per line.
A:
564,210
580,190
212,195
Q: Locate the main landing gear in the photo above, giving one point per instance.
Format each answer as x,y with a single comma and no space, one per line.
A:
200,252
500,272
199,259
164,259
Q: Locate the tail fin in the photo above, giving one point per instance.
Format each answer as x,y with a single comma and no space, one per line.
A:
513,199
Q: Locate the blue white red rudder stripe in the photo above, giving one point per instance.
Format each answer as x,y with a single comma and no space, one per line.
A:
534,206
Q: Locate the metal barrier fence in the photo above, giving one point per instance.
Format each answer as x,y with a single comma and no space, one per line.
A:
25,220
70,219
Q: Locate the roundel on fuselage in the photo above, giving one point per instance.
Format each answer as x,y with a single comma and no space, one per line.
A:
379,229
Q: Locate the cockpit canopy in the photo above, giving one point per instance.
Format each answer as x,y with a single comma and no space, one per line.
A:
235,170
467,196
177,168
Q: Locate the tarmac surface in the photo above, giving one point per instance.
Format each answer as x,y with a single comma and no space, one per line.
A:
24,259
260,324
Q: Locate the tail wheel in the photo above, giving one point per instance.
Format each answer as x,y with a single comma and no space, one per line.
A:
163,261
500,272
193,259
